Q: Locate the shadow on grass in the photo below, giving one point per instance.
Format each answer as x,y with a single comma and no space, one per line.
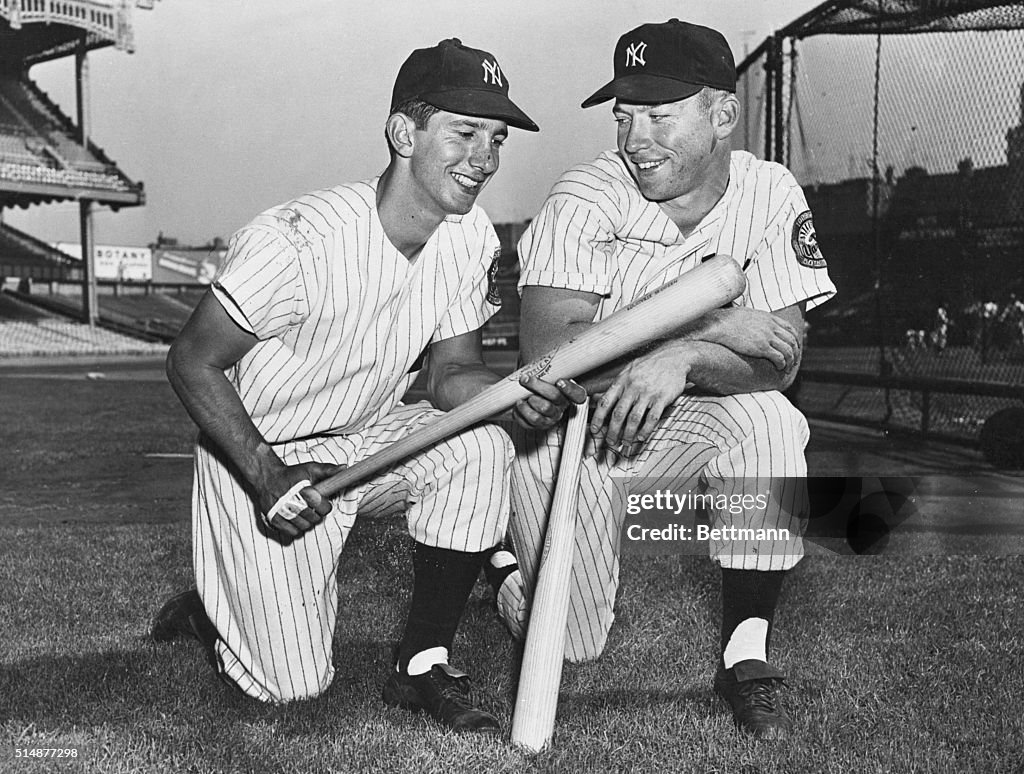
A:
156,685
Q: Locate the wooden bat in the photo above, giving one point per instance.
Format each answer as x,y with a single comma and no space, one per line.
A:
533,722
655,315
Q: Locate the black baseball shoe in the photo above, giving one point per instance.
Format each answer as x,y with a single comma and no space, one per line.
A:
751,690
443,693
183,615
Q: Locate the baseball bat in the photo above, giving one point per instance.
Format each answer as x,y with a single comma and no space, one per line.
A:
533,721
714,283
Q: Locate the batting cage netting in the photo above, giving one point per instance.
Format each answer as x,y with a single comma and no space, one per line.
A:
904,122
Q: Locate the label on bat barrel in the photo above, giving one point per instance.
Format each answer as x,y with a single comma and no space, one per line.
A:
538,367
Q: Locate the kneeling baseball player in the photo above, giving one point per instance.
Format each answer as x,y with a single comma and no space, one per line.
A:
703,409
295,365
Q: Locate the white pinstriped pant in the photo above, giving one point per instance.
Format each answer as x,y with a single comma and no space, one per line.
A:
731,445
275,606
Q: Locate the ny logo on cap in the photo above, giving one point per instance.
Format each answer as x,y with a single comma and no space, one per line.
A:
492,73
635,54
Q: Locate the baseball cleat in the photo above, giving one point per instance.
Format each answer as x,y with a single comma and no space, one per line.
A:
443,693
183,615
751,690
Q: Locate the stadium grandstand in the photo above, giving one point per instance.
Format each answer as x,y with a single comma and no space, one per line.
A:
46,157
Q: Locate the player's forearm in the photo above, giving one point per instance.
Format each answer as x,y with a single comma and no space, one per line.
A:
709,327
720,371
215,407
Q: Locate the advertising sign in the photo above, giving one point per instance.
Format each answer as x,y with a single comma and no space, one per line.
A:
115,262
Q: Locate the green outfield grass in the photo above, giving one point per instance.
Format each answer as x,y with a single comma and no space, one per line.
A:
898,664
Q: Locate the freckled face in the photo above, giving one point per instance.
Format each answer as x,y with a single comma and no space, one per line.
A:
454,157
667,148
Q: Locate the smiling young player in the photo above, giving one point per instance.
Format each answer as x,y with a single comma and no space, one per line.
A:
296,362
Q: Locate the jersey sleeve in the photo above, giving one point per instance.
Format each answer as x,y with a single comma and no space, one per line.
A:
569,243
261,284
788,268
477,299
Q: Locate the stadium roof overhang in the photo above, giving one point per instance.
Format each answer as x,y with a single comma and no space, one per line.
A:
35,43
24,195
41,30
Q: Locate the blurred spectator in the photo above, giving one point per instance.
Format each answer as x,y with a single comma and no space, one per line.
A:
940,331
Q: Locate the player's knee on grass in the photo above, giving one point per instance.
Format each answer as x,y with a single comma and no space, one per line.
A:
290,678
296,688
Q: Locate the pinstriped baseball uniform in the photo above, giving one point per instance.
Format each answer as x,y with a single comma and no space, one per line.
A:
342,319
596,233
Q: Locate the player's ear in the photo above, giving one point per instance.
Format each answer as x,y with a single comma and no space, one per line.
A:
725,114
399,130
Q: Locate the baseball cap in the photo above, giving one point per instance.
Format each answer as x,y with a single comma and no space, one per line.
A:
459,79
666,62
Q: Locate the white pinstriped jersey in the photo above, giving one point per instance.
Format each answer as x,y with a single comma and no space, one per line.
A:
341,315
596,233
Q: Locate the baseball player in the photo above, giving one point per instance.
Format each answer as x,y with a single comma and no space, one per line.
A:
703,409
295,364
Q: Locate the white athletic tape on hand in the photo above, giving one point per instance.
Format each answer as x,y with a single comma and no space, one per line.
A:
291,503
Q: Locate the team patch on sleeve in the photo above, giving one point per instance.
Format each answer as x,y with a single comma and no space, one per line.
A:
493,295
805,242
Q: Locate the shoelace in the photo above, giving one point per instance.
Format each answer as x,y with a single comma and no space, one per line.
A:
760,694
453,691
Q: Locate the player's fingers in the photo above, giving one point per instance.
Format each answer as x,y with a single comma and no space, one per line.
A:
530,418
631,426
651,421
292,513
298,524
284,526
788,356
618,417
318,504
775,356
573,391
550,409
318,471
791,339
603,406
544,390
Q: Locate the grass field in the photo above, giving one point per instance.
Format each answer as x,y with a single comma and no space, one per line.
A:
898,664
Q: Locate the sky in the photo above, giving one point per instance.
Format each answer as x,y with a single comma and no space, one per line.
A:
228,107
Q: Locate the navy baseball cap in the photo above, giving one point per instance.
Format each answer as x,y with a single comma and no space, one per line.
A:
666,62
459,79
